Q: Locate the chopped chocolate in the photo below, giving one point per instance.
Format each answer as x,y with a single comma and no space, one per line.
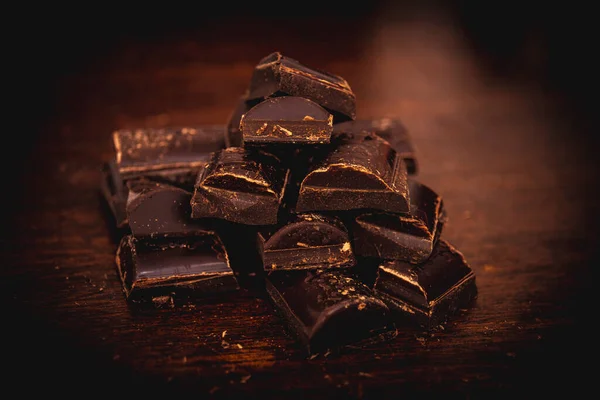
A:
159,210
279,75
141,151
114,193
326,310
306,241
286,120
361,172
408,237
390,129
181,268
430,292
240,185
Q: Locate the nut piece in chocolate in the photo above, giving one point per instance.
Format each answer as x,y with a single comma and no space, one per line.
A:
240,185
279,75
427,294
286,119
408,237
179,268
361,172
306,241
327,310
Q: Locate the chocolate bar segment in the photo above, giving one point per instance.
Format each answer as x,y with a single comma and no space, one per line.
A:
361,172
159,210
240,185
326,309
306,241
141,151
408,237
390,129
182,268
286,120
279,75
431,292
114,192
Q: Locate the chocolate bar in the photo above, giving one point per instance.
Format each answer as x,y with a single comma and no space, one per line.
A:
240,185
306,241
157,209
430,292
326,310
286,120
178,268
408,237
276,74
361,172
233,134
114,192
389,129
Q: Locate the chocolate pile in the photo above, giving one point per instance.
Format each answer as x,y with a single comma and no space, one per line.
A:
321,208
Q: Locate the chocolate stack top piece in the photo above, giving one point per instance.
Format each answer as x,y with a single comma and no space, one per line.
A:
276,74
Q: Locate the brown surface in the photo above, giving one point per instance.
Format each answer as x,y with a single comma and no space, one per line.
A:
515,173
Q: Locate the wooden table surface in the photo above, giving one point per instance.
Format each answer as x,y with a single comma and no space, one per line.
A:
516,174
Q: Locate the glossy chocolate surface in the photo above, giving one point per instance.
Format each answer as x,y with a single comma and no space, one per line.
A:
326,309
306,241
144,150
276,74
240,185
159,210
186,267
430,292
361,171
286,120
408,237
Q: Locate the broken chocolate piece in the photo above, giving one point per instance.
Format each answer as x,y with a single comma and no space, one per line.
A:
233,135
159,210
240,185
276,74
408,237
306,241
286,120
143,150
389,129
361,172
114,193
326,309
428,293
187,267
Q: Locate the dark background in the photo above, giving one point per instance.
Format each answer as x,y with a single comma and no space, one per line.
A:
56,52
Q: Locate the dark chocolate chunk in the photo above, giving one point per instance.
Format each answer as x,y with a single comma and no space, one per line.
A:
326,309
180,268
143,150
306,241
240,185
159,210
276,74
286,120
361,172
408,237
392,130
431,292
233,135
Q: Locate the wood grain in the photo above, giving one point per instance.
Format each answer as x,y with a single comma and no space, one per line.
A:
516,178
